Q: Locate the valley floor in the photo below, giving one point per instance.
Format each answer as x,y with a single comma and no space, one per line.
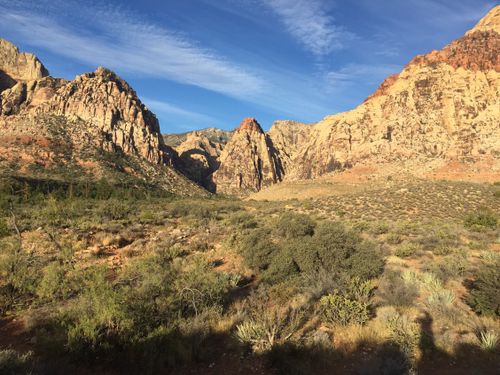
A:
384,277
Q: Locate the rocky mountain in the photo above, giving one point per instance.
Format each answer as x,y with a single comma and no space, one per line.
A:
442,109
214,135
198,157
249,161
288,138
444,106
92,125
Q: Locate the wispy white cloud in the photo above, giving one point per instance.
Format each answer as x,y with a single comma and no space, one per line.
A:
122,43
353,73
161,107
309,22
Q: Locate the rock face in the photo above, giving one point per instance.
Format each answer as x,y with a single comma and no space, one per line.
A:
288,137
249,161
120,120
21,75
54,121
199,158
443,106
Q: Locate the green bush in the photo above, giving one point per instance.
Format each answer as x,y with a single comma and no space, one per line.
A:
243,220
56,282
19,272
339,309
484,295
379,228
281,268
332,248
408,249
452,266
393,290
257,248
4,228
291,225
114,209
482,219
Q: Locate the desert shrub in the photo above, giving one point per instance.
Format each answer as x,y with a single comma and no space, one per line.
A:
56,283
282,267
342,310
19,272
13,363
394,290
291,225
257,248
341,249
407,249
451,267
267,324
199,288
114,209
440,242
243,220
186,208
405,334
4,228
481,219
484,295
379,228
394,238
98,320
334,249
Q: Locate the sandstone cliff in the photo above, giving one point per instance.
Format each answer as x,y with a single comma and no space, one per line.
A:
288,137
443,106
249,161
92,122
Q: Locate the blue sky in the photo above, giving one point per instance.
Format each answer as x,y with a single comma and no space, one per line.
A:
201,63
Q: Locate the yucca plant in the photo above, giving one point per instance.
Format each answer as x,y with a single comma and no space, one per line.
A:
488,340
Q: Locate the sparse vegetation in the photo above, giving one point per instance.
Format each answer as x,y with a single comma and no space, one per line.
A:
117,283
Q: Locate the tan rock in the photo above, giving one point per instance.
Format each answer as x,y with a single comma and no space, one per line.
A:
249,161
443,106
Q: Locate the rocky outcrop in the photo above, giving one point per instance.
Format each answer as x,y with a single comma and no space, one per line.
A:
288,137
21,76
444,105
20,66
214,135
249,161
94,122
111,106
199,158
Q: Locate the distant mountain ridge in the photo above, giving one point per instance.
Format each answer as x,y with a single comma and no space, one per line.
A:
441,111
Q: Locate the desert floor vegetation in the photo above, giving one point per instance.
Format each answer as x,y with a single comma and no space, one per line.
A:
110,279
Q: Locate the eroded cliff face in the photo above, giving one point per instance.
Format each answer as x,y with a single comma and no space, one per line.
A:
288,137
199,157
249,161
46,121
111,106
443,105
